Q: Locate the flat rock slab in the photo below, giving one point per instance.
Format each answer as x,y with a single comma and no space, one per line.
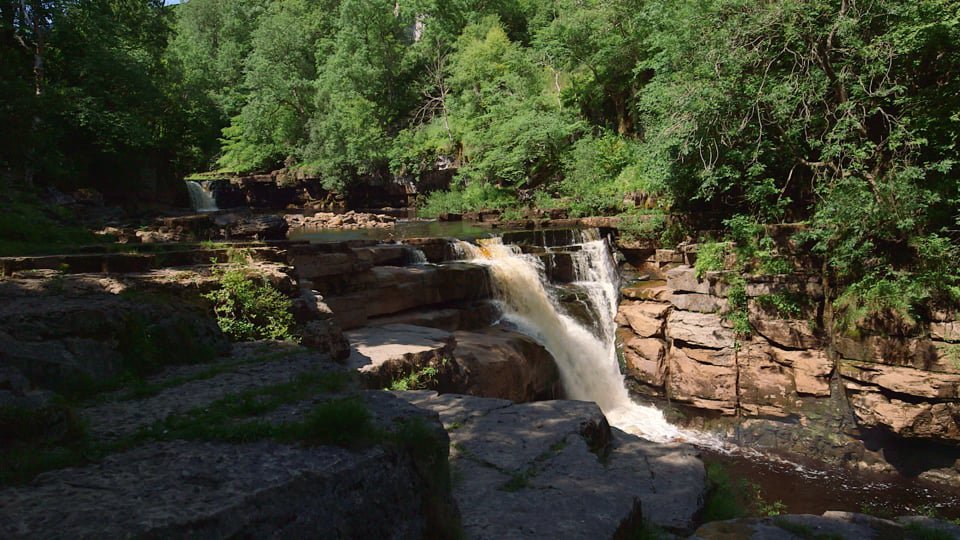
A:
120,418
264,489
555,469
216,490
374,346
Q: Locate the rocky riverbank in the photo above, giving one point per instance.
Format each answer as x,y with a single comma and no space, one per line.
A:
371,315
792,385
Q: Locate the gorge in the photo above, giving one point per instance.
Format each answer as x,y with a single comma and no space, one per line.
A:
525,316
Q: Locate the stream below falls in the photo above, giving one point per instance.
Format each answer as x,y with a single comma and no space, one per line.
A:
589,371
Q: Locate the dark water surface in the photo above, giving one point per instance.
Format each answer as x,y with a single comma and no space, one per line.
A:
463,230
812,488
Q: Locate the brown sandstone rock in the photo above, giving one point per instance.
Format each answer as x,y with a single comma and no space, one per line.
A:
765,386
704,378
501,363
811,369
700,329
789,333
684,279
904,380
644,318
701,303
646,360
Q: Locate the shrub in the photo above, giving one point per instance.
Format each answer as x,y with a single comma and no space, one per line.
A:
710,258
248,307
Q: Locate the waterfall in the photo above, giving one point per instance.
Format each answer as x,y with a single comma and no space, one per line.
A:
414,255
587,362
200,197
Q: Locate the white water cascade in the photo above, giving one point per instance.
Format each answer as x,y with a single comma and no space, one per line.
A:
587,362
200,197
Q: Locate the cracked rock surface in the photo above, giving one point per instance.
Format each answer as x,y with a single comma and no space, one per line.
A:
556,469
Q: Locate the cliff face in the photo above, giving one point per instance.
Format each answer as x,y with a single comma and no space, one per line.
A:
678,343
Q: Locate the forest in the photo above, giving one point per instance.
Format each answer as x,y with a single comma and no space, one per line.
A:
843,115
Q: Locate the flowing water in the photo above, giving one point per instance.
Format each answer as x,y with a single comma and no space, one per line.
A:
587,362
589,371
200,197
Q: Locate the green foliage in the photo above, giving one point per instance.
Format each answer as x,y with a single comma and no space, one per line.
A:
472,197
738,309
248,307
642,225
418,380
711,257
916,531
785,305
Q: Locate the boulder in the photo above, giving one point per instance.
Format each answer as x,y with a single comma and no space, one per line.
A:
904,380
908,402
765,386
257,227
945,331
701,303
788,333
384,354
556,469
502,363
259,489
699,329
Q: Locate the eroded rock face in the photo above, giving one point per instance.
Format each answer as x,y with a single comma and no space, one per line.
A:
699,329
886,396
536,470
706,378
493,362
501,363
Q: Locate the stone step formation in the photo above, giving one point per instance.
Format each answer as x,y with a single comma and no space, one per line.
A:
270,438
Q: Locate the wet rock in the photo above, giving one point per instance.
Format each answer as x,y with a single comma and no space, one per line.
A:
645,360
535,470
257,227
844,525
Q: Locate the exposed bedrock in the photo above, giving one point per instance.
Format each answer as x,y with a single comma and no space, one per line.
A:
556,469
678,342
492,362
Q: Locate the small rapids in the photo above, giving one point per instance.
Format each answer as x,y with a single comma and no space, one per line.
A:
587,362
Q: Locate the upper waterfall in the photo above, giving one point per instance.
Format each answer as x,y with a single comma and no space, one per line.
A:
201,199
587,362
